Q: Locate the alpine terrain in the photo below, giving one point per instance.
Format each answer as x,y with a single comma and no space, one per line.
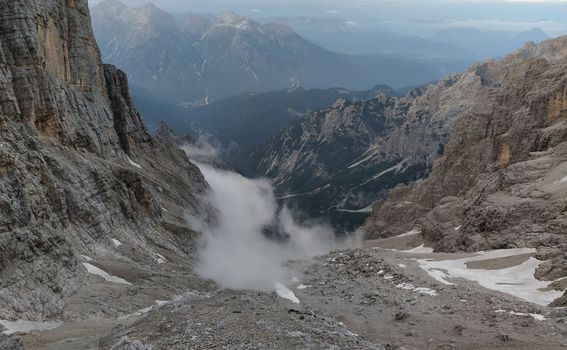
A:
115,238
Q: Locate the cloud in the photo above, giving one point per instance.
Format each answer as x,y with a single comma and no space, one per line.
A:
201,150
251,240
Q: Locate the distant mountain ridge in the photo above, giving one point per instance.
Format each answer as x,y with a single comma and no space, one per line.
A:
345,157
247,119
491,44
197,59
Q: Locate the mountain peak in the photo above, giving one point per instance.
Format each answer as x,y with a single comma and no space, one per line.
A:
234,20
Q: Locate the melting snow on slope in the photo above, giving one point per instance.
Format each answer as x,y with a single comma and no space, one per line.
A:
160,259
420,290
107,277
22,326
368,209
142,312
116,242
517,280
132,163
536,317
285,293
422,249
410,233
366,156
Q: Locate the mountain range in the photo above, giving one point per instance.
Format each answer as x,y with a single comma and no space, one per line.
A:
199,58
343,158
488,44
246,120
104,225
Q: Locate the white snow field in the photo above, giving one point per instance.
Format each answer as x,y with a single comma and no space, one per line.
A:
22,326
517,280
107,277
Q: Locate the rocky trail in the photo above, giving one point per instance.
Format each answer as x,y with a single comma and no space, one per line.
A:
376,297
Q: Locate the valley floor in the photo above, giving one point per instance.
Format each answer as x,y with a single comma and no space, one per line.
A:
376,297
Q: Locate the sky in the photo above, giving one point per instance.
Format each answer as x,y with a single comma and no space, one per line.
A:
406,15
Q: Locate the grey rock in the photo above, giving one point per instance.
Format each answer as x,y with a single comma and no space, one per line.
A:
77,165
349,155
501,179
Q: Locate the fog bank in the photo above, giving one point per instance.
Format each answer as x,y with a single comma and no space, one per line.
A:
236,252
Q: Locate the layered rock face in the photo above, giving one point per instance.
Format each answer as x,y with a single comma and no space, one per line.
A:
503,179
349,155
77,165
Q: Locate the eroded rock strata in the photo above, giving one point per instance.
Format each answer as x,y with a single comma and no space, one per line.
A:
77,165
502,181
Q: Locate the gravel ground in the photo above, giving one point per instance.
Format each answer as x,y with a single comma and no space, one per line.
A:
369,298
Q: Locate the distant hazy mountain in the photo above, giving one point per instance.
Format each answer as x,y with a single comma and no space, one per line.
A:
354,38
360,39
247,119
200,58
489,44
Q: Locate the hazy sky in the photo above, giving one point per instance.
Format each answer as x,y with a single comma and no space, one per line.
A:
550,15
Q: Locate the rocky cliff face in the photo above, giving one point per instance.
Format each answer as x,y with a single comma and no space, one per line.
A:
77,165
502,181
349,155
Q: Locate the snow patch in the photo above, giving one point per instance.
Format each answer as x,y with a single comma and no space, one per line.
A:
420,290
422,249
403,266
348,331
23,326
86,258
132,163
536,317
518,281
303,286
366,156
160,259
116,242
410,233
368,209
283,292
142,312
105,275
563,179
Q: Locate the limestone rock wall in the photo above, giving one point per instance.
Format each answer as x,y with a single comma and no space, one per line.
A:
77,165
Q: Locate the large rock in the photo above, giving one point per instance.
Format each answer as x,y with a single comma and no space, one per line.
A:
502,182
77,164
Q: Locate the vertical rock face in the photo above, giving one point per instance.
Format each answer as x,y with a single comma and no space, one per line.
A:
77,164
502,181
